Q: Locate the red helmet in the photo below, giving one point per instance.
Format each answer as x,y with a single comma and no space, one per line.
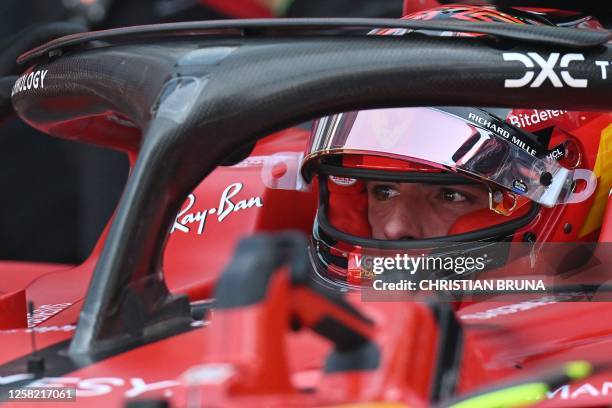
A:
487,11
407,179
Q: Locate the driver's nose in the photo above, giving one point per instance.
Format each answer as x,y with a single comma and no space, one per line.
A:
404,223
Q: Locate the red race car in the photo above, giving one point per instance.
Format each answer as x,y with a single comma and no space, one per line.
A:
252,261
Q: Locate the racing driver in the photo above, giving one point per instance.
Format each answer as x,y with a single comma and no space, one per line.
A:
411,179
404,179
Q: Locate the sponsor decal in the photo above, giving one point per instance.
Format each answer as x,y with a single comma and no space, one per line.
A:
32,80
96,386
539,69
604,67
42,329
10,379
360,267
571,392
519,186
521,307
44,312
523,145
556,153
343,181
227,206
489,125
537,116
502,129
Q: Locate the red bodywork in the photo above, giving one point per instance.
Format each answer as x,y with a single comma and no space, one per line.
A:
251,356
502,340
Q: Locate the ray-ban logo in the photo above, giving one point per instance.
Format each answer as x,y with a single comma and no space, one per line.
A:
540,69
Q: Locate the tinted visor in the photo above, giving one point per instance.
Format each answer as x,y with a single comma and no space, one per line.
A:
439,139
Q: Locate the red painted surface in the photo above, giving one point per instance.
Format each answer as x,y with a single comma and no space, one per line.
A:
240,8
508,342
12,307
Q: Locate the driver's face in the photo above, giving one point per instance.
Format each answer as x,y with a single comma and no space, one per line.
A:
399,211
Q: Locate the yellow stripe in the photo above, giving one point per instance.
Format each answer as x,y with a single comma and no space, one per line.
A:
373,405
517,396
603,170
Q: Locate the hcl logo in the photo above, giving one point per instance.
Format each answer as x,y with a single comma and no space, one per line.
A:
546,67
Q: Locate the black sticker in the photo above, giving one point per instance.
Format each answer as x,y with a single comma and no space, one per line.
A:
557,152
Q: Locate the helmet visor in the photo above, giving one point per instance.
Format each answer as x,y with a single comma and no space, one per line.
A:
439,139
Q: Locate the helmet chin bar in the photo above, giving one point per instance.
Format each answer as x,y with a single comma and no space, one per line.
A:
333,269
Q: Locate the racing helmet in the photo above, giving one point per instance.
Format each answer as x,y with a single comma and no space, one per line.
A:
411,179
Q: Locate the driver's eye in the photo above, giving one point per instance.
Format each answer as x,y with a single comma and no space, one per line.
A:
453,196
383,192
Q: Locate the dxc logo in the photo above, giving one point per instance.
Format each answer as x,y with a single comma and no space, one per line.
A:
546,70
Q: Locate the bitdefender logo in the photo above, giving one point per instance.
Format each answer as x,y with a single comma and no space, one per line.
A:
545,70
